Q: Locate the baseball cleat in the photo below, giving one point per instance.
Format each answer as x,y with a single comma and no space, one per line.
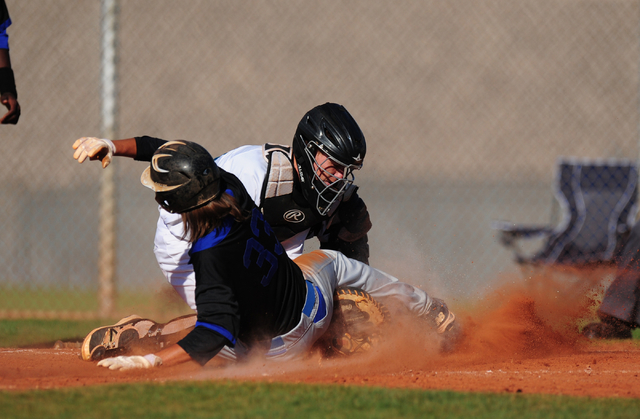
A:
441,319
444,322
120,336
452,334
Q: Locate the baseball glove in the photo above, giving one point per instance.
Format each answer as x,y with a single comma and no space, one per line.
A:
357,323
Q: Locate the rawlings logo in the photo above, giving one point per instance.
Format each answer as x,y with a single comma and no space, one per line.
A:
294,216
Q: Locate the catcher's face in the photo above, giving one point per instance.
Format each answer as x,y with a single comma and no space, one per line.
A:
327,170
330,179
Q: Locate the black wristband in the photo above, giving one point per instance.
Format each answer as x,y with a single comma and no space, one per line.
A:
7,82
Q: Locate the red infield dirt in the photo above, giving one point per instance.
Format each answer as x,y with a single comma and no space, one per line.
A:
521,339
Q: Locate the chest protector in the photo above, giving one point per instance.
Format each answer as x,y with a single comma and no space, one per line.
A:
281,200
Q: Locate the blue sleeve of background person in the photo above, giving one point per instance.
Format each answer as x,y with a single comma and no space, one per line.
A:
146,146
4,40
5,21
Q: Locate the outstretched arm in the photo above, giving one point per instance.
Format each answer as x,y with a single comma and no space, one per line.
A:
103,149
138,148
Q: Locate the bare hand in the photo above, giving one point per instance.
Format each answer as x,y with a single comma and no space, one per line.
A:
10,101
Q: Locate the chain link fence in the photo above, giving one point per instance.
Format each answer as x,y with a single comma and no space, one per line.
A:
466,106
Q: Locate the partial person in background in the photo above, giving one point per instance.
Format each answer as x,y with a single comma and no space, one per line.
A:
8,93
619,311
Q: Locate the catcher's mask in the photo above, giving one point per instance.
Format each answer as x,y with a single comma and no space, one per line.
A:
183,176
330,129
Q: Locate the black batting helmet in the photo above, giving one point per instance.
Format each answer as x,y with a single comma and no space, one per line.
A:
183,176
328,128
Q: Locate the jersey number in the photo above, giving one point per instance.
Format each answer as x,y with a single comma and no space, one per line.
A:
254,245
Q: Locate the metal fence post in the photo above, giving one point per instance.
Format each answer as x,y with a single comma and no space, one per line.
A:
107,260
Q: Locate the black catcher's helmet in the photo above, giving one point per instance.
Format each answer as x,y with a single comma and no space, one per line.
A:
183,175
328,128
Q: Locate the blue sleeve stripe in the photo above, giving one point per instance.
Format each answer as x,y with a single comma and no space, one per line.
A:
220,330
311,300
322,307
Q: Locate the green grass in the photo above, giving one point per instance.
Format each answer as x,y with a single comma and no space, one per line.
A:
162,305
19,298
262,400
33,332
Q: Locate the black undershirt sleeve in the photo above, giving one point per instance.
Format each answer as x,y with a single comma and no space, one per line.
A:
146,146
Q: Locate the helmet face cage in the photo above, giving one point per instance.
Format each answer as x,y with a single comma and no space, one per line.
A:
329,188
